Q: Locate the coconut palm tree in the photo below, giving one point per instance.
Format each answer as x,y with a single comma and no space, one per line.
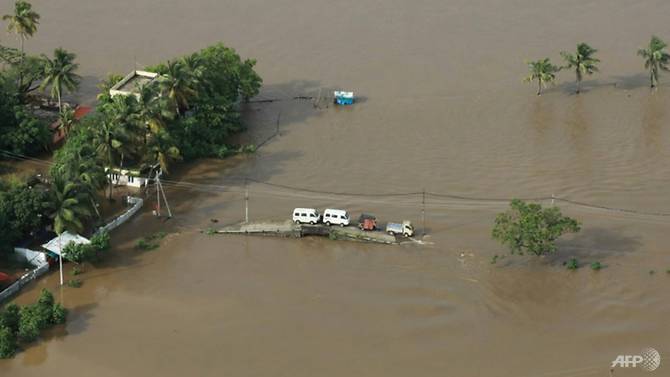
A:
23,23
109,139
179,85
582,61
67,120
542,71
152,109
656,59
162,151
70,206
59,73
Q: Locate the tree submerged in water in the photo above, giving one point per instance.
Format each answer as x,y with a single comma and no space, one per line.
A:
527,227
541,71
582,61
656,59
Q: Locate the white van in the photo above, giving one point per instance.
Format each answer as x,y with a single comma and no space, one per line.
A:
335,217
306,216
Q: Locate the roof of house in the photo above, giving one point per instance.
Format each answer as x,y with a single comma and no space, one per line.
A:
59,243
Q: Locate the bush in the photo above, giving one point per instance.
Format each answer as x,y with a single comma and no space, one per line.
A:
58,314
8,345
31,323
74,283
80,252
595,266
75,271
26,323
46,299
573,264
150,242
10,317
100,241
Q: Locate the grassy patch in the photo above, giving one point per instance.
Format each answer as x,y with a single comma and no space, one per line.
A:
595,266
572,264
150,242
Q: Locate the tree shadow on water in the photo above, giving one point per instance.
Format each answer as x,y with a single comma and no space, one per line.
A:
595,244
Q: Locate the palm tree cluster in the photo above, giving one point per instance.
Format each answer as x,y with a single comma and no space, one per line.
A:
584,63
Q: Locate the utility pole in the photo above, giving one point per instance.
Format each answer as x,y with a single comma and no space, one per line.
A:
246,201
423,213
60,257
160,186
158,195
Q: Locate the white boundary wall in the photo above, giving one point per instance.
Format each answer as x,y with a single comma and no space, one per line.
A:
25,279
137,204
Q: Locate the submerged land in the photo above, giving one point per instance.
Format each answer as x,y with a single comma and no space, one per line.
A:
442,108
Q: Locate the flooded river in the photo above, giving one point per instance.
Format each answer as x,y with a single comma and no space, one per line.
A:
443,109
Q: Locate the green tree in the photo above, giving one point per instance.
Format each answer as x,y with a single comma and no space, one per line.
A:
152,109
542,71
10,317
23,22
161,150
583,62
179,85
109,138
60,73
656,59
8,344
107,84
531,228
67,120
70,206
31,323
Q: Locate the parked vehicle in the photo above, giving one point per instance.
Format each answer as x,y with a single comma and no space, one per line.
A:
406,229
335,217
367,222
306,216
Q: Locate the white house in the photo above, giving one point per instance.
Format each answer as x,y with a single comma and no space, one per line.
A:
126,177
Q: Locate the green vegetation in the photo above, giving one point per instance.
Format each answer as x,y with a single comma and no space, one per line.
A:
19,202
74,283
150,242
541,71
572,264
531,228
92,252
596,266
59,74
582,61
75,271
24,324
656,59
23,22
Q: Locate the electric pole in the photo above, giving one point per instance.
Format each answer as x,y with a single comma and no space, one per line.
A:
246,201
423,213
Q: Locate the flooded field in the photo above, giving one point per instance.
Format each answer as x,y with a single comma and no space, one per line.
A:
442,109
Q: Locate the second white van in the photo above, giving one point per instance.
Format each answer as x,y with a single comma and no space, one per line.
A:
306,216
336,217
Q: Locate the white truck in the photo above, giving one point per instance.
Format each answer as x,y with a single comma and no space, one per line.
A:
405,228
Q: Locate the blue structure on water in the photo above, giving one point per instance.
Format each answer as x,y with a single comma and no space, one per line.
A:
344,98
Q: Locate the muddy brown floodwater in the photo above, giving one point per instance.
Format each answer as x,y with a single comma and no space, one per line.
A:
443,109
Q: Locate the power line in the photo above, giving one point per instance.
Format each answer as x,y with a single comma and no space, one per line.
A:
214,188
